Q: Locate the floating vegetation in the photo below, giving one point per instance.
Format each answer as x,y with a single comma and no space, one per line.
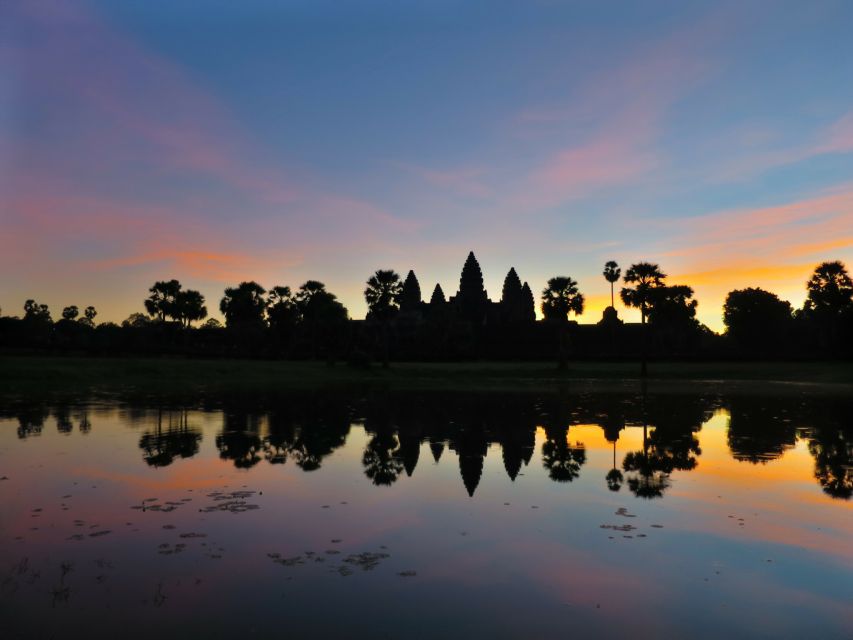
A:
234,502
618,527
407,574
622,511
98,534
167,549
193,535
366,561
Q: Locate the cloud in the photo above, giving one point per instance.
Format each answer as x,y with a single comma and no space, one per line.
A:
118,159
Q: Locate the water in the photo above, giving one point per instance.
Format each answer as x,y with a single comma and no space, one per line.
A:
705,512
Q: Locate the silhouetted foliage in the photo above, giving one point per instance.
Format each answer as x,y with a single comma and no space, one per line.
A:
757,320
644,276
560,298
162,303
382,294
244,305
612,273
830,290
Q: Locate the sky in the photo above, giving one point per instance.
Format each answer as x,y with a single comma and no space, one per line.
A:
218,141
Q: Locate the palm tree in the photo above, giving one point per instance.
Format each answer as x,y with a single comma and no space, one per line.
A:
382,295
560,298
645,276
830,288
612,272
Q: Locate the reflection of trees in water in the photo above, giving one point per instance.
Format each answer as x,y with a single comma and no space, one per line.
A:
612,424
381,460
302,428
176,440
663,452
306,427
833,457
31,420
240,440
562,459
760,429
671,446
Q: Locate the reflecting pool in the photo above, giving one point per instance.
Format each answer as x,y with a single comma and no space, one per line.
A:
607,512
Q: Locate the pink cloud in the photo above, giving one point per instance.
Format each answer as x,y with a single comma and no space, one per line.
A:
614,120
136,167
838,138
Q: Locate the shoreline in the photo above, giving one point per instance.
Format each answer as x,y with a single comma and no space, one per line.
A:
34,373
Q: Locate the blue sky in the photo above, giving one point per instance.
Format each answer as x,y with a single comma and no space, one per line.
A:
281,141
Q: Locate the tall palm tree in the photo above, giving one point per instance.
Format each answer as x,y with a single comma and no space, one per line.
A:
382,295
560,298
644,276
612,273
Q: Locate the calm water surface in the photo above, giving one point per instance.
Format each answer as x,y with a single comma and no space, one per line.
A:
396,515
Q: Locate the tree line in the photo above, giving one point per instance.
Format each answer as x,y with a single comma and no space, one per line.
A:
311,323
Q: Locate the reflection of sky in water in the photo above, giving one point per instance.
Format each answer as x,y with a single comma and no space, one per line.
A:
741,543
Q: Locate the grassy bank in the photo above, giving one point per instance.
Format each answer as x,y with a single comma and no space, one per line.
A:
22,374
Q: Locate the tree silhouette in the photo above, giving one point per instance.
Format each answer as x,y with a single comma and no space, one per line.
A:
282,312
189,307
830,289
756,320
612,273
382,295
70,313
323,317
35,312
136,321
644,276
410,295
672,308
89,315
244,305
560,298
162,302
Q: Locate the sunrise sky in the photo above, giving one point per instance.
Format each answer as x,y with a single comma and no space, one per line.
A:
279,141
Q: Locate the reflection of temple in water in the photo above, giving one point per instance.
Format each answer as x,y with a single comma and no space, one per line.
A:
305,428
